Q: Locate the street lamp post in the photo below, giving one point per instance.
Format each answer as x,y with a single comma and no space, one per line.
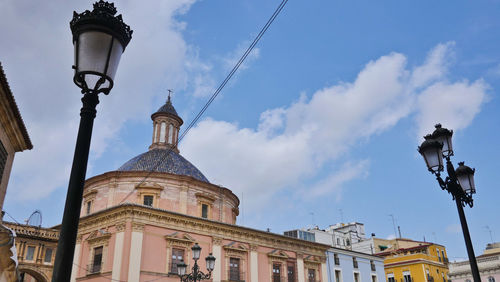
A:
459,183
196,275
99,39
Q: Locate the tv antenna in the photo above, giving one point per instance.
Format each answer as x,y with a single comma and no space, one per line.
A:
35,219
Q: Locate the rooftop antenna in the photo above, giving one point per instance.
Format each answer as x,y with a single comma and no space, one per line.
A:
35,219
489,230
341,216
312,217
394,225
399,230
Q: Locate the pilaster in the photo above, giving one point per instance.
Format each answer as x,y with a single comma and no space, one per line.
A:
76,258
118,251
300,268
217,253
134,265
324,273
254,264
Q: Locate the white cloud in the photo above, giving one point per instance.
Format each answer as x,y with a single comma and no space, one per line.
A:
41,80
453,104
335,180
292,143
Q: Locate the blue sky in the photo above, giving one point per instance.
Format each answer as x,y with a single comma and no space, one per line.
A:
325,115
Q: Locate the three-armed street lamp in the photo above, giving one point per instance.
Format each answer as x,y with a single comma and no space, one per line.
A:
459,183
196,275
99,39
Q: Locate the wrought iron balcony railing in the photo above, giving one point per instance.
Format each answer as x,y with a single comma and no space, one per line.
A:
236,276
94,268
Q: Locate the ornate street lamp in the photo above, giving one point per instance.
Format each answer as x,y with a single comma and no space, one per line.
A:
196,275
459,183
99,38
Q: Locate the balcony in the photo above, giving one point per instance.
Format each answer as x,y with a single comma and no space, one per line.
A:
94,268
278,279
236,276
172,268
445,260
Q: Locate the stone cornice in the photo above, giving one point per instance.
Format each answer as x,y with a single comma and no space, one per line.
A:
92,192
277,255
236,248
11,118
414,261
22,230
98,239
205,197
183,240
185,223
356,254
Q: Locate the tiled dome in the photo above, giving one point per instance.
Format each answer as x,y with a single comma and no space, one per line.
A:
163,160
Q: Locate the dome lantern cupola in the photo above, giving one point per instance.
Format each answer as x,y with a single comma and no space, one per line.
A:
166,125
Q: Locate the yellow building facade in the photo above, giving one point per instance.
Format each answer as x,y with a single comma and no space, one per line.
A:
407,260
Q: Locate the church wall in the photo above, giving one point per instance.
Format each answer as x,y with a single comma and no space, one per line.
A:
171,192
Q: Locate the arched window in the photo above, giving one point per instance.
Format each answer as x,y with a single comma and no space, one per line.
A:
467,280
155,133
170,133
491,279
163,128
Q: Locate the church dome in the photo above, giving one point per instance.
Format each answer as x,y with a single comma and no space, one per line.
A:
163,160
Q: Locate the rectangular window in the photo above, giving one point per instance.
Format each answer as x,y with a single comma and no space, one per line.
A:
406,276
311,275
372,265
374,278
234,269
276,272
148,200
204,211
177,257
31,253
48,255
356,277
390,277
336,259
3,159
97,262
291,272
89,205
354,263
338,276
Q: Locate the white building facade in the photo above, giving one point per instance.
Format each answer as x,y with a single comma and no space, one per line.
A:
342,263
488,264
349,266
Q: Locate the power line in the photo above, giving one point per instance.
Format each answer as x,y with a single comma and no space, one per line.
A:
11,217
218,90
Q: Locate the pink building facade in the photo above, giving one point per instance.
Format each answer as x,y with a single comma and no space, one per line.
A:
139,221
